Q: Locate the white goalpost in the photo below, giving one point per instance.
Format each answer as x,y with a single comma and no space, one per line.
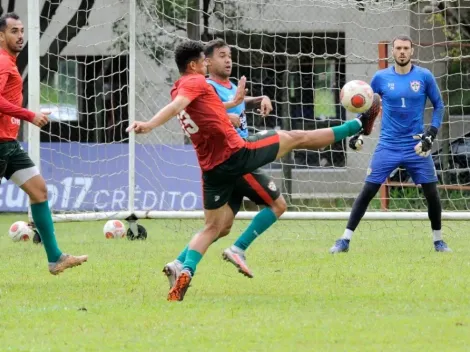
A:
99,65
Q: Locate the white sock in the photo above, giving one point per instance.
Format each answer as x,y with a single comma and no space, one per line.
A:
437,235
237,250
347,234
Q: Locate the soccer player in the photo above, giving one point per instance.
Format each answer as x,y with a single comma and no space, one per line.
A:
257,185
222,154
15,163
404,89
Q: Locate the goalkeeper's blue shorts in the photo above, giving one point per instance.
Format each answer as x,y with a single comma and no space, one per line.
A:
386,159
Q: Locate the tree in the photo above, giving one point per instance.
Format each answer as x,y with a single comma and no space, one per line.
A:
163,24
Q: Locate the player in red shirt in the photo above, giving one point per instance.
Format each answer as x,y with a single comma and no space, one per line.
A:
15,164
222,154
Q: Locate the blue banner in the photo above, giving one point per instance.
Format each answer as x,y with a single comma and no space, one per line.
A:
95,177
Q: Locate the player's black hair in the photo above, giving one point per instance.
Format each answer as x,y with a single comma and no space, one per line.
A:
404,38
186,52
214,44
5,17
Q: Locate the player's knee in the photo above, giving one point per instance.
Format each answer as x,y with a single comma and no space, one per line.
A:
213,229
290,140
36,189
430,190
225,231
279,206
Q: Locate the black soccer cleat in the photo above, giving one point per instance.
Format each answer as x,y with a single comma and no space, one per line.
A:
368,118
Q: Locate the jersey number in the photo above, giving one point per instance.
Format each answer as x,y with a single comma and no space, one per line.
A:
189,126
403,105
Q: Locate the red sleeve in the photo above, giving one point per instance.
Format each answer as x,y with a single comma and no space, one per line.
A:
6,107
193,87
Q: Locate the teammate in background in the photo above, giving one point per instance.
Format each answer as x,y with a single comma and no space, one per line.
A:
223,155
257,185
404,89
15,163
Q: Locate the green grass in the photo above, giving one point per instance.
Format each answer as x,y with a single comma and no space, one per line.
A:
390,293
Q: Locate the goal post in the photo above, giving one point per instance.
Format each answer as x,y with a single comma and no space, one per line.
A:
100,65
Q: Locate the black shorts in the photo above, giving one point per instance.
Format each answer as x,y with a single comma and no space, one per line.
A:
257,186
13,160
219,183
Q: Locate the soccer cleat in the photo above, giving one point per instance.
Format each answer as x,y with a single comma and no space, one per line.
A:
180,286
341,245
441,246
66,261
368,118
238,259
172,271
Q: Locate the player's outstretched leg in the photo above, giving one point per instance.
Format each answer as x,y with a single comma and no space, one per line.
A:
431,194
358,210
323,137
36,189
260,223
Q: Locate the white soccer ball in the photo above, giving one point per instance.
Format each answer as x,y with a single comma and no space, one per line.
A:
20,231
357,96
114,229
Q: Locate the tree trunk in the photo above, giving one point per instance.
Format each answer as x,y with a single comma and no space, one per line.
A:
445,132
287,161
193,30
11,6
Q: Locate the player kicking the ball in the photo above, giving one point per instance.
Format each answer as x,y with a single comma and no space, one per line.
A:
257,185
404,89
222,154
15,164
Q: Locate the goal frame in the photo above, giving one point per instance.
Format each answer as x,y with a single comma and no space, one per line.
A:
34,146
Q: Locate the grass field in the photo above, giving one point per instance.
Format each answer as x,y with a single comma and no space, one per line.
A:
390,293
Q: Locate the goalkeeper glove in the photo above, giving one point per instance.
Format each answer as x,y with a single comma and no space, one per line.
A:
424,147
356,142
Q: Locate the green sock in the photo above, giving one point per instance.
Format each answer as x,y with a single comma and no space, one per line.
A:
260,223
43,220
182,257
347,129
192,259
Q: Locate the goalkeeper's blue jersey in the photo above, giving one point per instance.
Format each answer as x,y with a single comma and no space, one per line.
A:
403,103
226,94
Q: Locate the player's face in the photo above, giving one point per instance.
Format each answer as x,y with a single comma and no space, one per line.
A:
12,39
402,52
199,66
220,63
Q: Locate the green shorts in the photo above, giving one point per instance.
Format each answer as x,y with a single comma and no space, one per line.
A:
219,183
257,186
15,163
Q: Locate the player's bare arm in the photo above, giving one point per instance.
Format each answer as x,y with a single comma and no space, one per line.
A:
161,117
262,103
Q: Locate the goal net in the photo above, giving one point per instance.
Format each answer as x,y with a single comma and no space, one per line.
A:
103,64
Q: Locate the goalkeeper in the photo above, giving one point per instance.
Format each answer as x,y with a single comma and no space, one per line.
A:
15,164
404,89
